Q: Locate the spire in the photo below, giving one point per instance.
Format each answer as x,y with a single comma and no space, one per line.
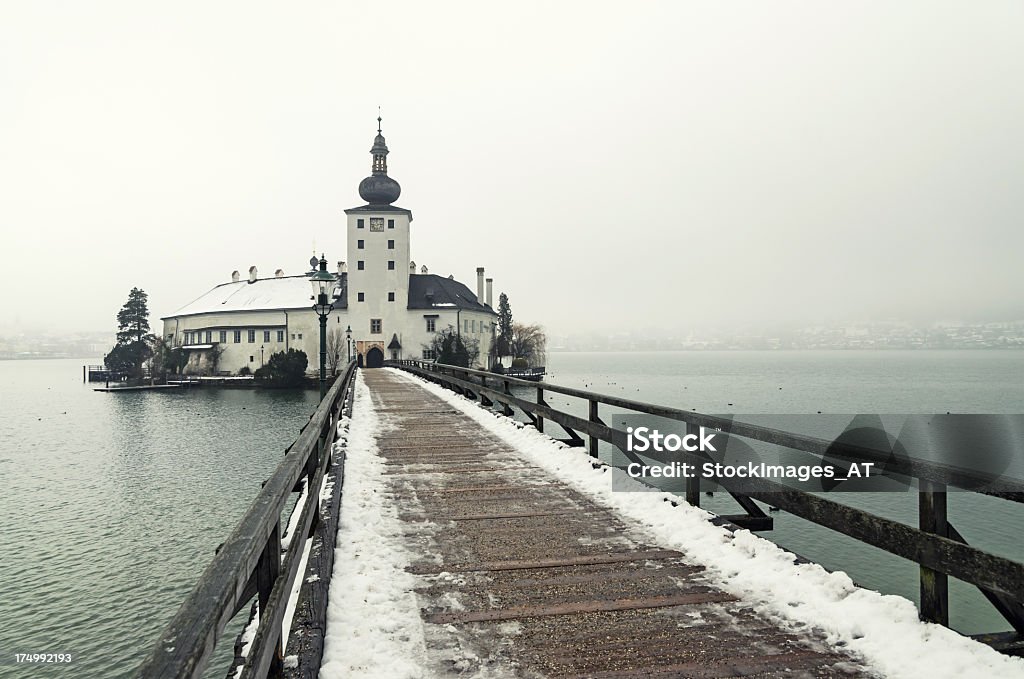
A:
380,152
379,188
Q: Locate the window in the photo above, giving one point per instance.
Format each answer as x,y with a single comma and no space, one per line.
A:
391,223
391,297
360,244
391,245
252,336
251,359
359,223
465,326
224,336
209,336
293,335
391,265
238,336
361,296
375,326
300,335
429,354
360,265
188,338
170,336
266,335
431,326
280,335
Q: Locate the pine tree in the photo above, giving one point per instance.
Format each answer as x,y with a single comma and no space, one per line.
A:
133,318
504,341
134,341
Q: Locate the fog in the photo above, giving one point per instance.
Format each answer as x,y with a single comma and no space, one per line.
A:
612,165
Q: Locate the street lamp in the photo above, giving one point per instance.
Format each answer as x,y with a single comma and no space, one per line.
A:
323,291
348,342
261,355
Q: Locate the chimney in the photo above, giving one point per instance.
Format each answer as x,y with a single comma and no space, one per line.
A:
490,292
412,267
342,268
480,284
423,269
235,276
279,273
252,274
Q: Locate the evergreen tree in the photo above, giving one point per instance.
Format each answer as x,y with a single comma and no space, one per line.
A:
503,343
285,369
134,341
451,349
133,318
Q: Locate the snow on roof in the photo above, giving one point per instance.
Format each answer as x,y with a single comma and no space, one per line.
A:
287,292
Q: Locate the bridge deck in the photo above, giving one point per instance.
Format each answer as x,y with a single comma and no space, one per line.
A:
520,571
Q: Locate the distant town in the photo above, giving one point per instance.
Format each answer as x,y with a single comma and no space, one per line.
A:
882,335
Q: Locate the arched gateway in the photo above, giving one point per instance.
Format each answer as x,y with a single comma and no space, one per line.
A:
375,358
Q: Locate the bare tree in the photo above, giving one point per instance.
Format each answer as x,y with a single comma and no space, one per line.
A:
529,342
335,349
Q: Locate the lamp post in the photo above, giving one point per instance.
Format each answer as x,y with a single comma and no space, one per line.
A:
348,342
323,289
261,355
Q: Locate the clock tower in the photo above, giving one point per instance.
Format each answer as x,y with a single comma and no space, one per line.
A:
378,256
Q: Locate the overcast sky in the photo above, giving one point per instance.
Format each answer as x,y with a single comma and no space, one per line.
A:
612,165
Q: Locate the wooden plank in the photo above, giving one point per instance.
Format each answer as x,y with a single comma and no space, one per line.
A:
766,665
577,607
522,564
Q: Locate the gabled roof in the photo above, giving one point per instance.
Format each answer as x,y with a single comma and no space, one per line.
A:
395,344
266,294
430,291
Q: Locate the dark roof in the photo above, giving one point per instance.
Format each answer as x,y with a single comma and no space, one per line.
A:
395,344
340,300
430,291
379,208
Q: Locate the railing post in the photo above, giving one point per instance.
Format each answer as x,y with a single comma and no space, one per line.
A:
693,481
593,418
505,408
267,570
934,585
540,401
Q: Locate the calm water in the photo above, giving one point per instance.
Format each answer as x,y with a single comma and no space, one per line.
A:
834,382
114,505
116,502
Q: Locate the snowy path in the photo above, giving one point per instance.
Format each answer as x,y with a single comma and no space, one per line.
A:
460,554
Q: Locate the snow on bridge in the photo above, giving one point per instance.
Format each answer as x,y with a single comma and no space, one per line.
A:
471,545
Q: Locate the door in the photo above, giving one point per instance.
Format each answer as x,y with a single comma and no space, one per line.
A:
375,358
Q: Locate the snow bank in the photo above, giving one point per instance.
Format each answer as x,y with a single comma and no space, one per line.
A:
883,629
374,627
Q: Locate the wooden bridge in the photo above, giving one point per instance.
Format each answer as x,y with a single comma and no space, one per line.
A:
591,596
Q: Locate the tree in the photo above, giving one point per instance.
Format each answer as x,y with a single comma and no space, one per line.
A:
335,349
133,318
285,369
503,343
134,342
450,348
529,343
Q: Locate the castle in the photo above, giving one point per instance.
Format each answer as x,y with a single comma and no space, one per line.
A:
383,306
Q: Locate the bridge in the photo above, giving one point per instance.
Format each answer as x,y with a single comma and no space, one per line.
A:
474,545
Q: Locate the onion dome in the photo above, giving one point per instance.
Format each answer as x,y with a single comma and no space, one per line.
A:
379,188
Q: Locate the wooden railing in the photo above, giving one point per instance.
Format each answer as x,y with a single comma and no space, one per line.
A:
249,564
935,545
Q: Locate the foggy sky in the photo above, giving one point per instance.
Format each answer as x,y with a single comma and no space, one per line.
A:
612,165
